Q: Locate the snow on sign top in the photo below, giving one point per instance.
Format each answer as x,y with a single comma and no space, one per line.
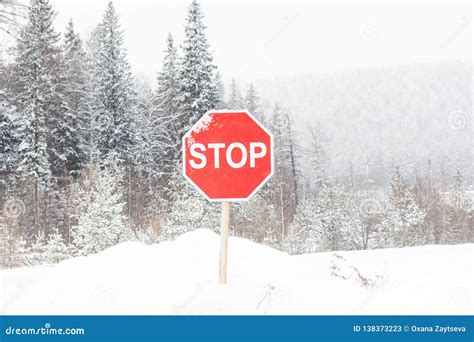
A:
228,155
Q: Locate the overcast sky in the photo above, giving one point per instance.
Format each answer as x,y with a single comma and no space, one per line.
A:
265,39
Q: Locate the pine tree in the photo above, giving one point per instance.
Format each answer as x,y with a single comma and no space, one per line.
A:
94,124
285,180
36,57
46,250
460,192
255,219
168,82
337,217
429,198
316,157
186,214
33,253
235,100
330,221
304,233
148,151
113,100
39,100
189,211
55,249
101,222
461,214
168,119
252,103
198,92
9,138
220,91
400,225
12,245
75,137
148,155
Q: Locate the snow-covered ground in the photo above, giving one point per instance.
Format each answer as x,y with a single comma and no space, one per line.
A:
180,277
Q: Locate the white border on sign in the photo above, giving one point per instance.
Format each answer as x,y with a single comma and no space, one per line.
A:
228,199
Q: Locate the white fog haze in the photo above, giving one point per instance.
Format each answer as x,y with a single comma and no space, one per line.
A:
262,39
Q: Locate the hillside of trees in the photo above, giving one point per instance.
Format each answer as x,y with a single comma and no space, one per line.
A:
90,155
376,117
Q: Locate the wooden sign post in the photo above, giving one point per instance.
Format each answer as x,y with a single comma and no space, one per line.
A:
225,223
227,156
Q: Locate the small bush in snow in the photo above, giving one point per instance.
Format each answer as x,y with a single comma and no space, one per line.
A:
101,223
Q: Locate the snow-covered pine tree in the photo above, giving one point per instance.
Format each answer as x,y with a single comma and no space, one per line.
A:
32,253
400,224
113,99
461,216
74,146
198,92
429,198
36,54
285,180
315,156
56,249
67,157
101,222
168,118
149,154
147,149
256,219
189,211
330,221
252,103
12,245
460,191
65,144
9,138
304,234
91,131
167,91
45,250
186,214
235,100
337,218
220,91
39,100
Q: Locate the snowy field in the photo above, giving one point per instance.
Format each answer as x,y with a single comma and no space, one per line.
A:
180,277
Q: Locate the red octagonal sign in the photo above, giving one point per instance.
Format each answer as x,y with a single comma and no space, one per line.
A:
228,155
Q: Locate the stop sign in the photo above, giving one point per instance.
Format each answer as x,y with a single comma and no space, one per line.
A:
228,155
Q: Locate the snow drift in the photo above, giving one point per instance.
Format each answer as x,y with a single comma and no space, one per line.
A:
180,277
